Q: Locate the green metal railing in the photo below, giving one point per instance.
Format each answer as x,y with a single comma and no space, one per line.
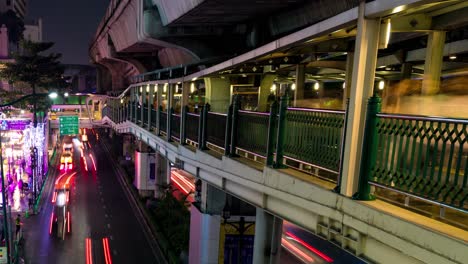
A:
138,114
153,118
216,128
191,126
314,136
163,121
145,116
252,132
175,127
422,156
419,156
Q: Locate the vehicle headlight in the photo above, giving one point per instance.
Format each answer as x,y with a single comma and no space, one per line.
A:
61,199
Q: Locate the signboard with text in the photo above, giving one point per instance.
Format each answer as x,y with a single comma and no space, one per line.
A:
3,255
69,125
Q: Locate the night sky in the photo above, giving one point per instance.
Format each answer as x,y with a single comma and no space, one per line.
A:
70,24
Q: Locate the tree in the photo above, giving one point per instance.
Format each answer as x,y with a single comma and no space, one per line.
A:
37,70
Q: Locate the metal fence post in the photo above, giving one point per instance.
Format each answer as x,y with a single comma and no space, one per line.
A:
271,133
183,118
200,126
284,101
158,120
206,109
369,150
169,124
235,117
227,138
343,140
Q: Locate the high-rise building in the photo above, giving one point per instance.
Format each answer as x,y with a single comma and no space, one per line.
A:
33,30
18,6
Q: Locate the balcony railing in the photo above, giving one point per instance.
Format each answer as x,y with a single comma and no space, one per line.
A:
422,157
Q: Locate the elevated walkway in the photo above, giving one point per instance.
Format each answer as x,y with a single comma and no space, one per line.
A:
374,230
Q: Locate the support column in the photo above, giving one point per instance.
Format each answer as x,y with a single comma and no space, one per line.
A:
141,100
135,106
217,92
159,92
170,103
300,83
265,86
205,222
162,175
150,105
185,95
275,253
406,70
433,63
362,86
348,77
263,236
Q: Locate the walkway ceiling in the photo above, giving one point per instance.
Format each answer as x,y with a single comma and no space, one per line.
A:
228,12
325,56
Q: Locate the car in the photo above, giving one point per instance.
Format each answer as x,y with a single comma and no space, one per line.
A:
60,220
66,161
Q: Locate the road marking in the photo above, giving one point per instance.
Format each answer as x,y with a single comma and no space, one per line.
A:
115,252
112,238
102,199
106,215
108,225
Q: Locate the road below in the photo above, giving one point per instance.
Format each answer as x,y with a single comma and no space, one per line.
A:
101,217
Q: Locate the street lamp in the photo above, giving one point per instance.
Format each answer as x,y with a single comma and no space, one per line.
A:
240,228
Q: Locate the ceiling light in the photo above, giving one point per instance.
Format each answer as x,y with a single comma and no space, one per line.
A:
381,85
316,86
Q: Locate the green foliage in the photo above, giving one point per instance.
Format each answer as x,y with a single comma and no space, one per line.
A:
35,69
14,24
173,218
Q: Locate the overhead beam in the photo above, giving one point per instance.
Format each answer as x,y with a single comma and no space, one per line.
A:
417,22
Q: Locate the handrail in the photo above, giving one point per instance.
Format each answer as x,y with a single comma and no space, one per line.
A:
423,118
254,113
316,110
215,113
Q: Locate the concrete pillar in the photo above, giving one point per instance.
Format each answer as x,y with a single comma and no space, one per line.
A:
150,104
141,101
275,253
185,95
205,222
162,175
348,77
300,83
135,100
433,63
217,94
265,86
204,237
406,70
362,86
263,236
212,199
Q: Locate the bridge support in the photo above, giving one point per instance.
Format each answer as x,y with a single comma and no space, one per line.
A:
362,87
433,63
265,244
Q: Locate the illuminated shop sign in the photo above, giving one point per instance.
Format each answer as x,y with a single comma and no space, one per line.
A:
14,124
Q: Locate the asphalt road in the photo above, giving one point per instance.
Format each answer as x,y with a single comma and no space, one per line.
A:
99,209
